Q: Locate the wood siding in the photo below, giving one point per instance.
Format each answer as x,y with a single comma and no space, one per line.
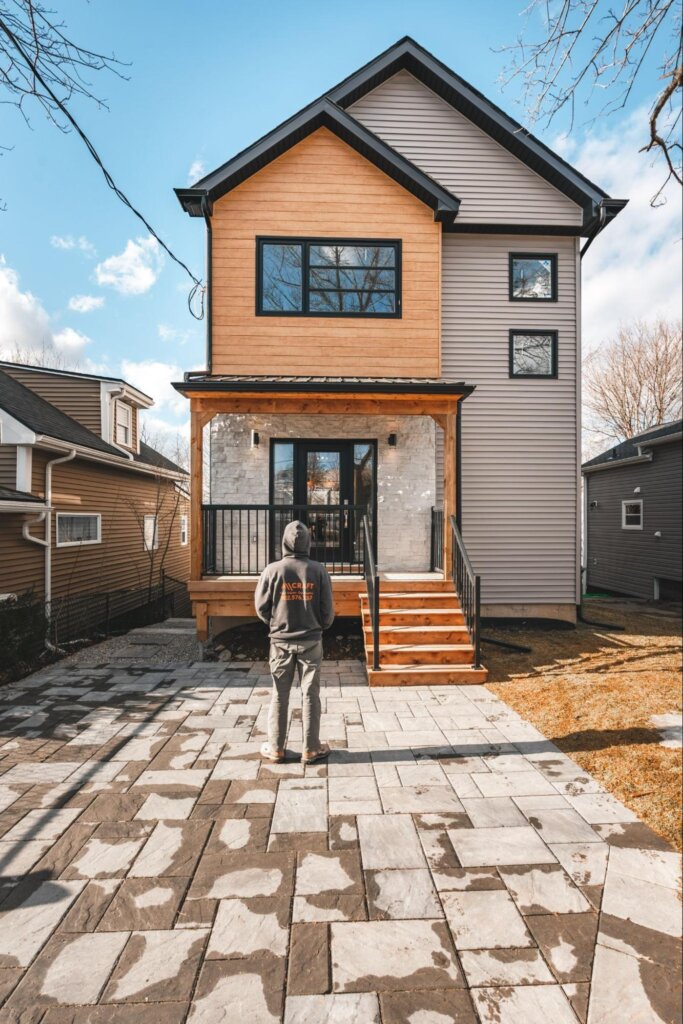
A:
121,497
519,437
77,397
493,185
628,561
8,465
323,188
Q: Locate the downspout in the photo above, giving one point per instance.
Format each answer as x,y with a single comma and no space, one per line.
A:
602,220
46,517
206,212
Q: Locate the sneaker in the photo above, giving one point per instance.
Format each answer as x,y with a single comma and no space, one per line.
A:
268,754
311,756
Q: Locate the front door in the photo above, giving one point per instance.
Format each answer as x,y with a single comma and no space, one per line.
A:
330,484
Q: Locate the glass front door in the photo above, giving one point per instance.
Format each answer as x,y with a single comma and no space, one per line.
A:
328,484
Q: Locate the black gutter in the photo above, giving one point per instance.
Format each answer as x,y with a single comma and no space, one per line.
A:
326,387
207,210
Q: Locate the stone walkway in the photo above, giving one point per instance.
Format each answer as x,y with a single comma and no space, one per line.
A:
448,864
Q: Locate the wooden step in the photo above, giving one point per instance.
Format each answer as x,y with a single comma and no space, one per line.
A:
422,586
415,599
427,675
417,634
417,617
424,654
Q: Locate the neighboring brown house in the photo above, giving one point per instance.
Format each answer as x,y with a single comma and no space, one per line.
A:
86,507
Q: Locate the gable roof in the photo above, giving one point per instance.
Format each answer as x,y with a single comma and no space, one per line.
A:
321,114
407,55
44,418
78,375
632,447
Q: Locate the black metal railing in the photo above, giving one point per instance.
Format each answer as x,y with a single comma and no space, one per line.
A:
372,584
468,588
436,559
240,540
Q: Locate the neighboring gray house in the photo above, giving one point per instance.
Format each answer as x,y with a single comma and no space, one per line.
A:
633,496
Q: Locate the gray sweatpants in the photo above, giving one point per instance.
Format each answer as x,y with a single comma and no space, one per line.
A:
286,657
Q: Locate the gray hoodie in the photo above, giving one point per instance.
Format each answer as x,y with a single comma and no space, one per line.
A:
294,596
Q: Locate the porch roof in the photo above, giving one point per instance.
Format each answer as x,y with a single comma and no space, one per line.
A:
267,384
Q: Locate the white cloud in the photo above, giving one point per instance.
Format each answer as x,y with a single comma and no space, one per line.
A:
633,269
175,335
68,242
26,326
133,271
154,378
85,303
196,171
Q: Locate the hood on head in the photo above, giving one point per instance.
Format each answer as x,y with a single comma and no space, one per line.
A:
296,539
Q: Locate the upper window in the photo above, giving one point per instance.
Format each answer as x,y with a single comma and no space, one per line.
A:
632,515
533,353
533,277
124,424
150,533
323,277
78,528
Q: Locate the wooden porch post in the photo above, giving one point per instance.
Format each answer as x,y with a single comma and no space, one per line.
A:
449,490
197,421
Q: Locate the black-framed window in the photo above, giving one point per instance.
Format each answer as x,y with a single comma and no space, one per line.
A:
328,277
533,277
533,353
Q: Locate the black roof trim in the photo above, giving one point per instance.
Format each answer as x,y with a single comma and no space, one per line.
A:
322,113
629,449
328,385
408,55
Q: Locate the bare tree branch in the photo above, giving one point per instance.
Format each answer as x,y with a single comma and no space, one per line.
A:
585,46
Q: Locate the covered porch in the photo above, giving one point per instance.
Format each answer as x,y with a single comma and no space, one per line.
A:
354,477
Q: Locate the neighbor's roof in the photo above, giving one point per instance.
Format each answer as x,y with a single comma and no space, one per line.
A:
77,374
331,110
633,446
334,385
9,494
44,418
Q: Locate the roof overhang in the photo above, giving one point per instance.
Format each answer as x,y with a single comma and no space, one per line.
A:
199,199
614,463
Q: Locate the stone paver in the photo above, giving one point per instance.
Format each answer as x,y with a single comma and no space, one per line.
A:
448,865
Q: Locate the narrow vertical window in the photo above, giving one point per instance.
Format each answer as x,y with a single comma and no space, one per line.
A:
124,422
183,530
150,533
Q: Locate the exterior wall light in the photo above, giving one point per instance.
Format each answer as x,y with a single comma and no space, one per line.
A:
636,490
392,440
255,439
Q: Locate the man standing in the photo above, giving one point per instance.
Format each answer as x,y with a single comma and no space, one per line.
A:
294,599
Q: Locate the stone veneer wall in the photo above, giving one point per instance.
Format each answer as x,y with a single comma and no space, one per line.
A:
406,484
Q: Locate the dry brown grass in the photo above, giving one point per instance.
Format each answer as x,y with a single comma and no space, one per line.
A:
593,692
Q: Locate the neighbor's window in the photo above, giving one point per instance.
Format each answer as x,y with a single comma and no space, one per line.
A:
314,277
124,424
183,530
632,515
151,533
78,528
533,353
533,277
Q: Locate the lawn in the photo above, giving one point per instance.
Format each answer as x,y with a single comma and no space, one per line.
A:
594,690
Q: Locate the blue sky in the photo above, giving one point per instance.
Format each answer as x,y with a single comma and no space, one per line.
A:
205,79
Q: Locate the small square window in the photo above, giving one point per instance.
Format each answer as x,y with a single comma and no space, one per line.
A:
183,530
151,533
533,353
533,277
632,515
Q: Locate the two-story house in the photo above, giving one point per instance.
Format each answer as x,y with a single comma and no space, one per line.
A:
90,515
393,354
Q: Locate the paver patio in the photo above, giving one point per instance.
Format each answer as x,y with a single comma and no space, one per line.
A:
447,865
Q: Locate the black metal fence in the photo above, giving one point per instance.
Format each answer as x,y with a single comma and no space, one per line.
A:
240,540
437,540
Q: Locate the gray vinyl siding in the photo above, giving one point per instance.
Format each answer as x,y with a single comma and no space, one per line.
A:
519,437
628,561
492,184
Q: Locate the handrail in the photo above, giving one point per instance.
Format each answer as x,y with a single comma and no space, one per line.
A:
372,584
436,542
468,588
